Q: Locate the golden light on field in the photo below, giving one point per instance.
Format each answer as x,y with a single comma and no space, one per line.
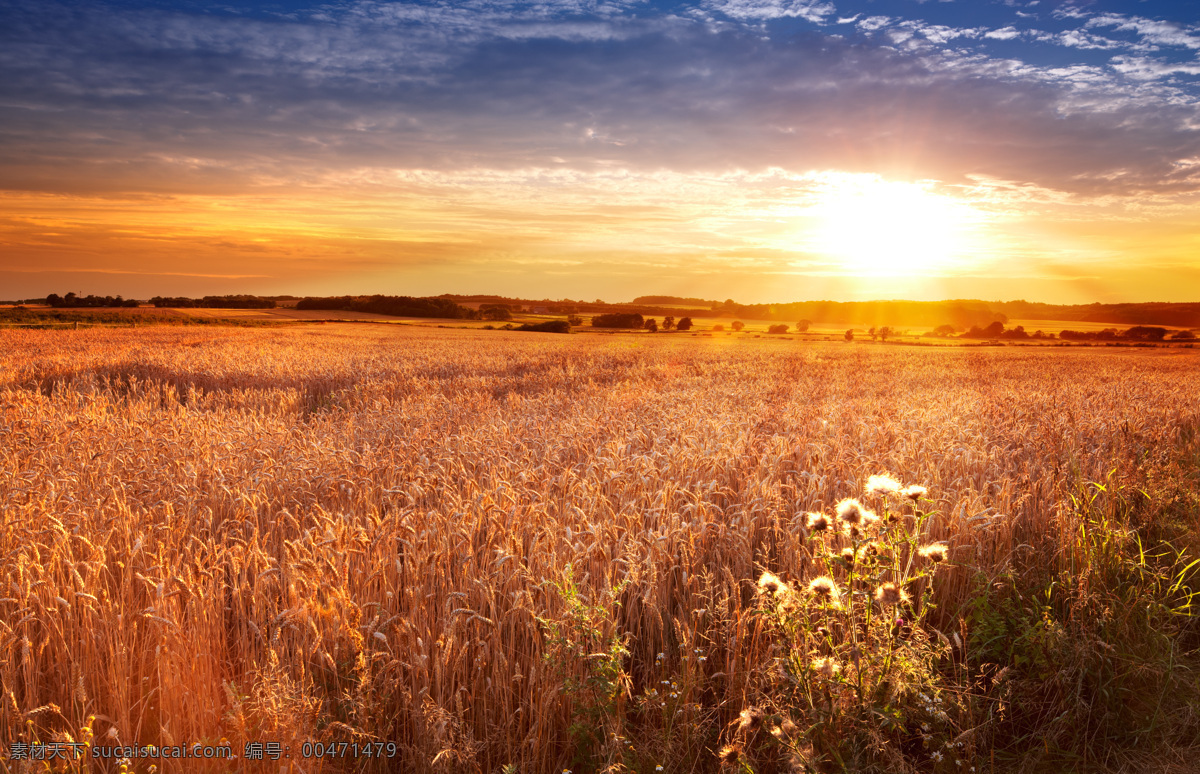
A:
217,532
879,227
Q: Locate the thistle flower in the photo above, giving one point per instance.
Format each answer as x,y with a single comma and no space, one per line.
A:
847,555
729,754
770,583
889,595
825,588
851,511
882,485
914,492
935,552
876,548
818,522
826,668
750,719
785,730
856,519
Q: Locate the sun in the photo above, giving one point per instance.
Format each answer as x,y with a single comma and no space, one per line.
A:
883,228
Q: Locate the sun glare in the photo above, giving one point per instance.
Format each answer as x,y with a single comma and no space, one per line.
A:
883,228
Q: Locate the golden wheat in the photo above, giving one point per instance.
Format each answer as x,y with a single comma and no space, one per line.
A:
353,534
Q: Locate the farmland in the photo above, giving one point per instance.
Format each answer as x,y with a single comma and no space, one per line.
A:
498,549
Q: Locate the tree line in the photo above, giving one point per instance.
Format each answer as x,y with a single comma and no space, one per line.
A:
74,301
213,302
395,306
634,320
997,330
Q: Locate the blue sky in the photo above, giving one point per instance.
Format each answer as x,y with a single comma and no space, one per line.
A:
1084,111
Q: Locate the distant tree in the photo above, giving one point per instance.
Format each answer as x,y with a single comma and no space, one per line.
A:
872,333
495,312
738,325
943,330
684,324
1145,333
993,331
574,319
396,306
803,326
54,299
651,325
781,328
1183,335
1016,333
883,333
618,320
668,323
550,326
849,335
718,328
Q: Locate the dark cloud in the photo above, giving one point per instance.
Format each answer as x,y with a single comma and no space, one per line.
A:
103,99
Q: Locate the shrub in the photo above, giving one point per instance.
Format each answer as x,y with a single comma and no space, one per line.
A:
856,680
618,320
586,654
550,326
781,328
495,312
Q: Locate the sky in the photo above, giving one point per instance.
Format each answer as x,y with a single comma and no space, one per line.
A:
761,150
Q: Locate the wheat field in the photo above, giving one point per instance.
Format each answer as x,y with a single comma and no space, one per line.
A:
431,538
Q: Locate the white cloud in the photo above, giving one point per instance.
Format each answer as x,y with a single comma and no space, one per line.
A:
1070,12
938,34
1006,33
1163,33
810,10
872,23
120,100
1083,40
1142,68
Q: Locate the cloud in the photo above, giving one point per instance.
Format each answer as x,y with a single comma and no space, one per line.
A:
1163,33
872,23
1070,12
1081,39
810,10
1143,68
1005,33
98,101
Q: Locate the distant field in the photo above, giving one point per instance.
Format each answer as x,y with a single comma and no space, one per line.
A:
701,325
488,548
282,314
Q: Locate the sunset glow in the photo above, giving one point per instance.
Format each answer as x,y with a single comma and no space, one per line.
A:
897,229
766,149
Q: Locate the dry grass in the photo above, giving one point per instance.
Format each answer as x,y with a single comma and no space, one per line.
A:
362,534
